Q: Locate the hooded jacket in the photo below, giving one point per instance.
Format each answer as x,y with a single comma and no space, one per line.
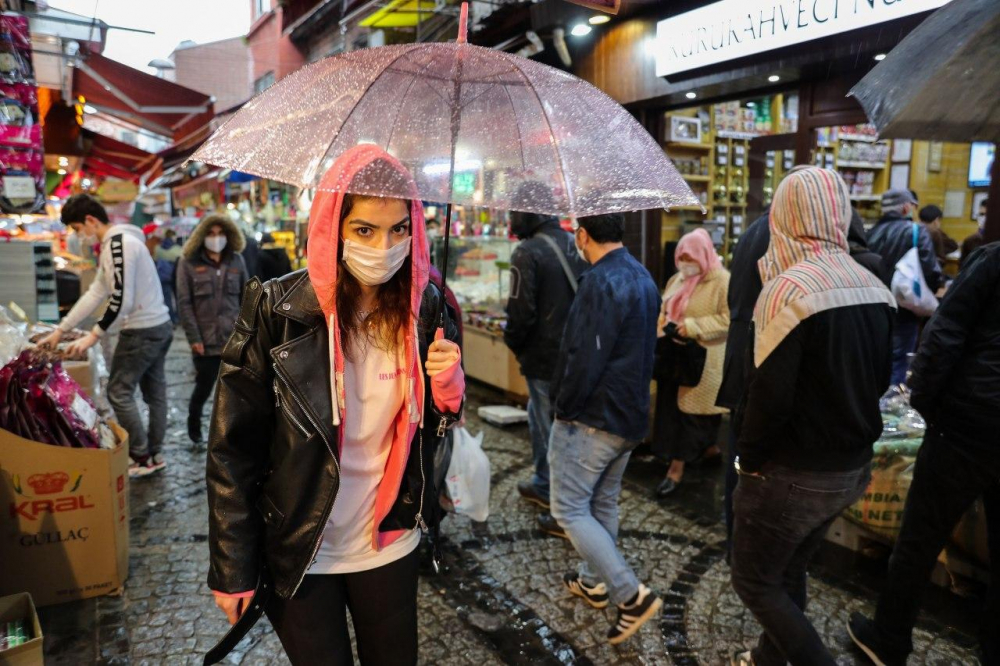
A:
540,295
127,276
208,294
273,467
892,237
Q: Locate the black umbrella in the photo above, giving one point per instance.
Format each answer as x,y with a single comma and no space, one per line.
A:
941,83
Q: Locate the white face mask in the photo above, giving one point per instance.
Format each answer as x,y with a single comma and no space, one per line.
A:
688,268
981,219
215,243
372,266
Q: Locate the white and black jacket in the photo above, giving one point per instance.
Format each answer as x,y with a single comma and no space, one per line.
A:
127,275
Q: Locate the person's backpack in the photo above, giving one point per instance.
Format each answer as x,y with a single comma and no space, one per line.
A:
908,284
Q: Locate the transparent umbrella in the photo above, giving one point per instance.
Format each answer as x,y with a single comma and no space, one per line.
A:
471,124
474,126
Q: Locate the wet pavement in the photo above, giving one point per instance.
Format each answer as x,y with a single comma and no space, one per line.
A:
499,599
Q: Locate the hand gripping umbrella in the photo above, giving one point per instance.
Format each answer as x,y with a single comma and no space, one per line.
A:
474,126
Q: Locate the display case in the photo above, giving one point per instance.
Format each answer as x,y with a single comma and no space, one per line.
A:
479,275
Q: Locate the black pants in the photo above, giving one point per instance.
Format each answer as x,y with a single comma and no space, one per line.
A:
312,625
781,518
947,479
206,372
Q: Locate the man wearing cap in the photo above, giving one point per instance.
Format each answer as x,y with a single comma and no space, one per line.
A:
892,237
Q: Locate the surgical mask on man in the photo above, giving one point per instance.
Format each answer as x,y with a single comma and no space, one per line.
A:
373,266
688,268
215,244
981,219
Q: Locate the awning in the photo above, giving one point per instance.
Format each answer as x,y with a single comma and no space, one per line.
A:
109,157
156,104
399,14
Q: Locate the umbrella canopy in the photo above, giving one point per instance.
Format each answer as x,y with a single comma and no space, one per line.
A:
941,82
474,126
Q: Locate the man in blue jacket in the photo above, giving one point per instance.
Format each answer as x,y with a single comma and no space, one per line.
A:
601,398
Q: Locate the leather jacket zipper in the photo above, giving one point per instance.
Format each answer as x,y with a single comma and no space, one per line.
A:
329,507
423,487
287,412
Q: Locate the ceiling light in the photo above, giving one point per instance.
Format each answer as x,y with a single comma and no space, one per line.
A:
580,29
89,109
690,95
774,78
752,105
63,161
599,19
61,172
879,57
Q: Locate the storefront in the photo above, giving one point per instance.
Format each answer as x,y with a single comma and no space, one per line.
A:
738,91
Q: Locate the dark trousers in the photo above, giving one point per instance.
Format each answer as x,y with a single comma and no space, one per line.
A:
781,518
905,334
312,625
139,361
206,372
540,416
947,479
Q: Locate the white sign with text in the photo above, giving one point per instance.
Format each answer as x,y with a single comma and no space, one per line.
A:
732,29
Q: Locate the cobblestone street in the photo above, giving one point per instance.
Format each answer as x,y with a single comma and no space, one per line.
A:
499,599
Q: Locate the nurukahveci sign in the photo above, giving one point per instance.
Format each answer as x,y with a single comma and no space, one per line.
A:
732,29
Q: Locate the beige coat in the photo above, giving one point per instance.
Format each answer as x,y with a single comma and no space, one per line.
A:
707,321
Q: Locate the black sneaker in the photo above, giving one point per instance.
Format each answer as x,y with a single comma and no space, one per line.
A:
530,492
864,634
548,524
596,596
194,429
633,615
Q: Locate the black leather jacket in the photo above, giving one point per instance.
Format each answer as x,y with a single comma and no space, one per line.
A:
272,470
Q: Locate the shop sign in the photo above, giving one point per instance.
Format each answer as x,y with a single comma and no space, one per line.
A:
732,29
113,190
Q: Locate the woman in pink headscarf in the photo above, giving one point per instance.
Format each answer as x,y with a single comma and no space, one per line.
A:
694,307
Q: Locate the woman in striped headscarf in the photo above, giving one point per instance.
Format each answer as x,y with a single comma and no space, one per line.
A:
822,357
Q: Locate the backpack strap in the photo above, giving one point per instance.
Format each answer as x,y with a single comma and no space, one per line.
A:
562,261
916,234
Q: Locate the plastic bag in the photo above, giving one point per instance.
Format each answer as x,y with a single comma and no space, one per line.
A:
469,476
908,284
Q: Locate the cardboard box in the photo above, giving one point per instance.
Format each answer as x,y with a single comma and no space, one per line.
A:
82,373
20,607
64,526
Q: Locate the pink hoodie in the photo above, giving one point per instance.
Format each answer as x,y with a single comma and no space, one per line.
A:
447,388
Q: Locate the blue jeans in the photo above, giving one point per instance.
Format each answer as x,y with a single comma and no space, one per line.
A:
139,361
540,428
168,298
904,343
781,518
587,467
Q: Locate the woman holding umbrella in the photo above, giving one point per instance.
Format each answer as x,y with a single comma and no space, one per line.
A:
334,391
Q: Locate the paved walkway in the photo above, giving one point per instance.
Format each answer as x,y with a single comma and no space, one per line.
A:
499,600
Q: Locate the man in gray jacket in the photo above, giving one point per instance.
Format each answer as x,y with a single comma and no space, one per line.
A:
210,279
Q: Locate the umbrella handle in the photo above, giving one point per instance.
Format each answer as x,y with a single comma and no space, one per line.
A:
463,24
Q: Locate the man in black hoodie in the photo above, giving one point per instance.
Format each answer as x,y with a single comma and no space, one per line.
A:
543,274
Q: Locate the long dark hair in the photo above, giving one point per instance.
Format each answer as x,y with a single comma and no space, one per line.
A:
392,301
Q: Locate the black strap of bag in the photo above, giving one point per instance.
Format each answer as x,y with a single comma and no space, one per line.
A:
562,261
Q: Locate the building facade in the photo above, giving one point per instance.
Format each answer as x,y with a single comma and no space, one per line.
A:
222,69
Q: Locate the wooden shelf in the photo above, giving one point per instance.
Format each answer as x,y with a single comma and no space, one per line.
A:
866,197
689,145
694,178
847,164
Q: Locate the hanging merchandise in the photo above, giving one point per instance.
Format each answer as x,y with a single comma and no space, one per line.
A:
42,403
22,171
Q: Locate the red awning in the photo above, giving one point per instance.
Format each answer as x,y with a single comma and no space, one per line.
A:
107,156
159,105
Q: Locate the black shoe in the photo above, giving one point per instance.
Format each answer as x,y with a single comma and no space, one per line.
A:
633,615
530,492
864,634
667,487
548,524
596,596
194,429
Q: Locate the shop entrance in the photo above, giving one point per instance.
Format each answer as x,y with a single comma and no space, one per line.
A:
769,159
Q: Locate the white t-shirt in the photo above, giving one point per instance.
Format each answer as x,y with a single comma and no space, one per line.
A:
375,387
